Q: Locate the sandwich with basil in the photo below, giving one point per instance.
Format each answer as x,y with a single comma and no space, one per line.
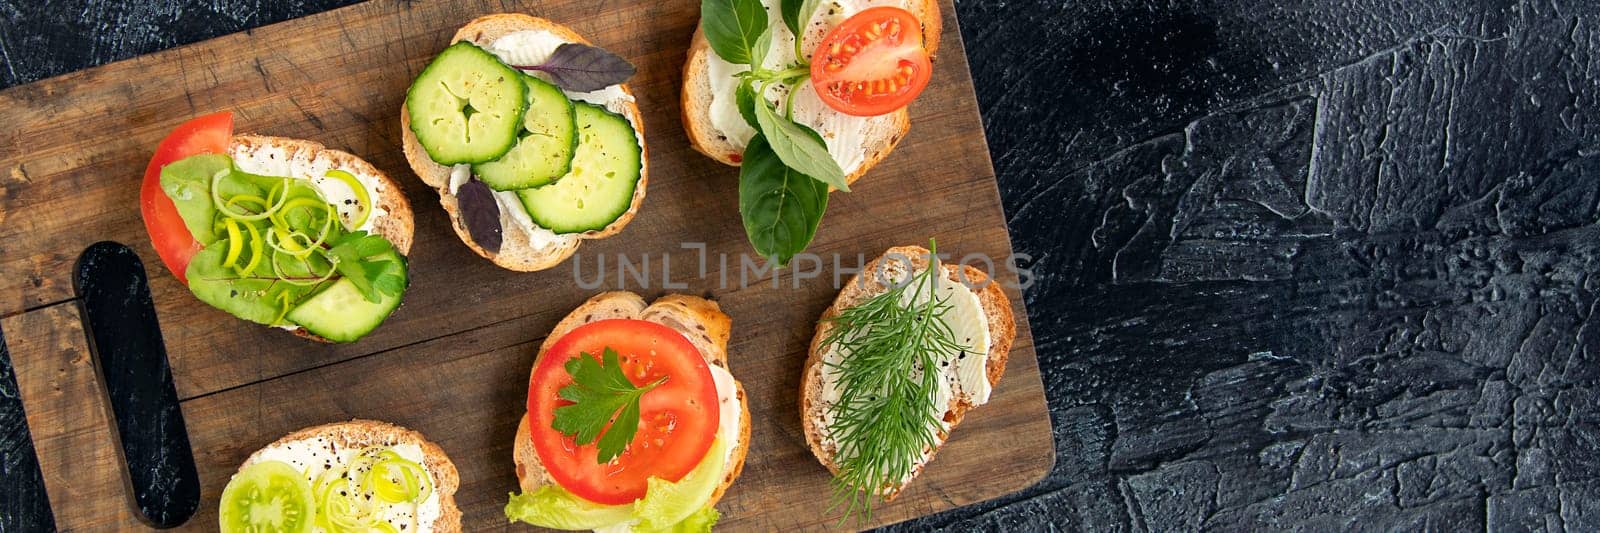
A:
803,115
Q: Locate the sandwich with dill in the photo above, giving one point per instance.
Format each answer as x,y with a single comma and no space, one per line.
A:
907,349
531,138
634,420
804,96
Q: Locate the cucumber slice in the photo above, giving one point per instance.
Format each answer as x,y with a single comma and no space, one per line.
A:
466,106
544,147
341,314
599,189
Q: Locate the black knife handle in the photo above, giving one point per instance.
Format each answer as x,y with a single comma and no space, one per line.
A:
24,505
120,320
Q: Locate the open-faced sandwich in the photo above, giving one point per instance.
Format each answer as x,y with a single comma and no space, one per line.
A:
634,422
530,137
828,106
281,232
360,475
907,348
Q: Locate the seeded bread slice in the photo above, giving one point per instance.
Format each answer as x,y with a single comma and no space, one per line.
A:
360,433
698,319
515,252
396,225
1002,331
697,94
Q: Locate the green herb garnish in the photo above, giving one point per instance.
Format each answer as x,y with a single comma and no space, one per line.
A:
601,395
356,257
885,417
778,222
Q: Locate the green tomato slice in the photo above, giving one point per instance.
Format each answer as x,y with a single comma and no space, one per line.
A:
266,496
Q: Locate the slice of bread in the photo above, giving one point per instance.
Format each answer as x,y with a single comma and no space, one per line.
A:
1002,331
515,252
698,319
697,95
280,156
359,434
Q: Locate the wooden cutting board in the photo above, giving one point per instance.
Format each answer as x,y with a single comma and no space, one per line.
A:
453,361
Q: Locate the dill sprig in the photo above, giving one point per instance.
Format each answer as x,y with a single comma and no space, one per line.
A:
885,417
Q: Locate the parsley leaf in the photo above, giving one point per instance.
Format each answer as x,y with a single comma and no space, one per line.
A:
600,394
370,263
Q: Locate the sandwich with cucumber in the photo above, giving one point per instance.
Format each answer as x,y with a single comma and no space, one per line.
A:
801,116
634,421
907,349
530,136
281,232
361,475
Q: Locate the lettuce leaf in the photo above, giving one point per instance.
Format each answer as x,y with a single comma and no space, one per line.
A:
666,506
555,508
699,522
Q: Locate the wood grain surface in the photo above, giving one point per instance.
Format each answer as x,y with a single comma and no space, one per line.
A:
453,361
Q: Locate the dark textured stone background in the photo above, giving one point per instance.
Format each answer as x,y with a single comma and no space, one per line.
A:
1313,264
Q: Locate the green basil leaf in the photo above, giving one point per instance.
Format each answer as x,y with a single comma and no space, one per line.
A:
745,97
732,27
759,50
780,206
797,13
799,147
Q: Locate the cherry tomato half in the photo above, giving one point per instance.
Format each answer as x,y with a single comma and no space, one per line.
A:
873,63
209,134
678,418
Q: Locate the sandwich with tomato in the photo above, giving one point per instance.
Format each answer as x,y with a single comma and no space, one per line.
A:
634,421
530,136
281,232
361,475
827,105
907,349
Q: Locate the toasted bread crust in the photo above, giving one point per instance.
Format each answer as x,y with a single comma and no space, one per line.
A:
696,99
514,253
359,432
398,225
698,319
1002,332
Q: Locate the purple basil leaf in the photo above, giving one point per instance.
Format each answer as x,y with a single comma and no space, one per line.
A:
481,213
583,68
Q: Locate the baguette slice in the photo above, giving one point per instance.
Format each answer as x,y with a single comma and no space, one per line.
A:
697,94
698,319
515,252
280,156
1002,331
360,433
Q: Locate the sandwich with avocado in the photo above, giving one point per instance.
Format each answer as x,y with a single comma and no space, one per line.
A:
282,232
530,136
634,421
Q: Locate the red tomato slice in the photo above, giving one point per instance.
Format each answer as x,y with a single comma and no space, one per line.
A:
678,419
209,134
872,63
